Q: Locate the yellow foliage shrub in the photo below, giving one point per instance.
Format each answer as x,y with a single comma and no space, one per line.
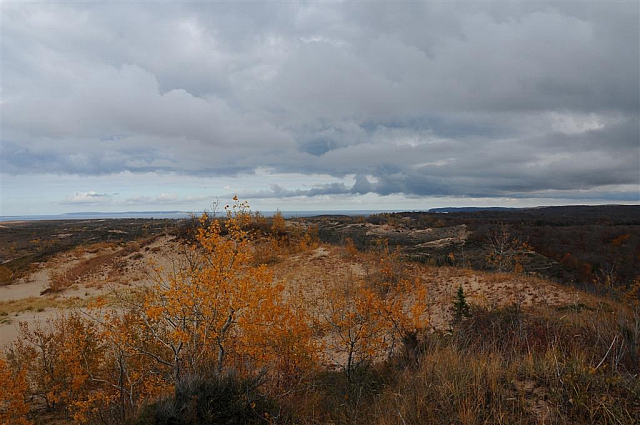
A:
13,405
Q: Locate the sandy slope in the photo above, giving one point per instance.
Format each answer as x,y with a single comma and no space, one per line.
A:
310,273
307,276
135,268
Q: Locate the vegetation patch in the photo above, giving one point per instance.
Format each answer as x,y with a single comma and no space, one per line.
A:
38,304
258,322
225,400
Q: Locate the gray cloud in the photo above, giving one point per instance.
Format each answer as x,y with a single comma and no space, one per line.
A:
427,99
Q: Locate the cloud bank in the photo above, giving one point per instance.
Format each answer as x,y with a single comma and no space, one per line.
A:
421,99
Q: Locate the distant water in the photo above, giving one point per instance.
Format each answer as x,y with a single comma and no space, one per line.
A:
174,215
98,215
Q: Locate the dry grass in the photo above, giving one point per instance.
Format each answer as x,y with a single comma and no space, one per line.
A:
13,307
93,248
535,352
499,366
273,248
496,379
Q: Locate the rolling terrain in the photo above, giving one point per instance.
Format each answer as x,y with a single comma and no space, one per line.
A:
413,266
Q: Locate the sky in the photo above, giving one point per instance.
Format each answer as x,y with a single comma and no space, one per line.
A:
318,105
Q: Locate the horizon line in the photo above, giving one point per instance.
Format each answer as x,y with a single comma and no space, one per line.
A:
289,213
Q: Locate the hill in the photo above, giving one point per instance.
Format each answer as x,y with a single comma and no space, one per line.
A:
356,324
583,246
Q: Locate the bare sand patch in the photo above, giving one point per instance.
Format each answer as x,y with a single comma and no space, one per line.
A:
24,288
9,331
135,268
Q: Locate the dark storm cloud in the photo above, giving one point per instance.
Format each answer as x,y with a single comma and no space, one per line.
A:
426,99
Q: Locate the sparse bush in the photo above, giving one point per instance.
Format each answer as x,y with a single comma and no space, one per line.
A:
55,357
222,400
58,282
505,249
14,404
350,248
387,269
503,366
6,275
279,224
268,250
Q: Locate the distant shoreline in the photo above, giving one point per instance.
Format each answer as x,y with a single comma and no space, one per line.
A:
175,215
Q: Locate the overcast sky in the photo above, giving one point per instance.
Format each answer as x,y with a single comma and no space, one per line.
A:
318,105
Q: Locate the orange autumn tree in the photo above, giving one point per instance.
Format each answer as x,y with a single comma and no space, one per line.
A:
125,379
55,358
405,309
366,324
404,302
219,312
358,329
376,317
278,225
13,404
